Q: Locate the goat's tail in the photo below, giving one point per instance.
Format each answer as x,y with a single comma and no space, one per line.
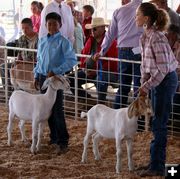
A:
83,114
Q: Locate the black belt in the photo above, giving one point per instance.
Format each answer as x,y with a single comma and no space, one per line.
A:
126,48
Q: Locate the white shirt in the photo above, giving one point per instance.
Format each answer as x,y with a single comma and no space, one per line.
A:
67,29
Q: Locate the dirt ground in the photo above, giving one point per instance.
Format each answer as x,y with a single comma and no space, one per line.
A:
18,162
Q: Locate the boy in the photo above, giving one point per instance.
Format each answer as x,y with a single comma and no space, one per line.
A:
55,56
88,11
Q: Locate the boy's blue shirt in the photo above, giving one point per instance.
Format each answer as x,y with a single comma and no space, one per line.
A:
55,54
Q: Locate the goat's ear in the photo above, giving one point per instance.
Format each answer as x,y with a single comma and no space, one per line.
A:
132,109
45,84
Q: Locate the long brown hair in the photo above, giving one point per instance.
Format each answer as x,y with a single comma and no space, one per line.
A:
158,17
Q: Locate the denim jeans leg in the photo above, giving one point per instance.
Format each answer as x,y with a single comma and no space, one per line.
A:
163,95
59,120
125,78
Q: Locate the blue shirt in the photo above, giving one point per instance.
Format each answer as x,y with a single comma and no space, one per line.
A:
55,54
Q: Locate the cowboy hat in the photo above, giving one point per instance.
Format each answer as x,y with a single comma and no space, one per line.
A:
70,1
96,22
156,1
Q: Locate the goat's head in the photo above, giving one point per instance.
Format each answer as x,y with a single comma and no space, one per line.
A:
56,82
140,106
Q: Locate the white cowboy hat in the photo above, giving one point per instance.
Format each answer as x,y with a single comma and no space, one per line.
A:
96,22
70,1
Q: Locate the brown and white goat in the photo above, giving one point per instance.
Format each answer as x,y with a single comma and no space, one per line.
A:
118,124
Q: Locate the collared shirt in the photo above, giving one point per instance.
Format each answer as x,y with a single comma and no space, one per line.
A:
123,27
67,29
25,42
157,59
55,54
78,16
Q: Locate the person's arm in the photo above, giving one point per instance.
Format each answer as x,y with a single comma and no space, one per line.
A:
70,25
43,30
111,34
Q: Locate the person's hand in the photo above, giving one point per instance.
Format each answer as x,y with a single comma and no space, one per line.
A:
36,84
96,56
50,74
141,92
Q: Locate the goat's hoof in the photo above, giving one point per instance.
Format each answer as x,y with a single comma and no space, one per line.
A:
9,143
37,149
97,158
131,169
33,151
118,171
83,161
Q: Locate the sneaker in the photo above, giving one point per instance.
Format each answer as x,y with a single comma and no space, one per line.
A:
62,149
51,142
149,172
145,167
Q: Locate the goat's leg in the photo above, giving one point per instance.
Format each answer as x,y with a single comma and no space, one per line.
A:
40,132
129,152
95,138
86,141
34,135
9,128
21,127
118,154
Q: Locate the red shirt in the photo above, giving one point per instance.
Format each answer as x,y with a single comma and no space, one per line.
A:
87,32
107,65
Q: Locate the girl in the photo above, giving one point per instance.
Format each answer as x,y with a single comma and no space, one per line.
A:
158,73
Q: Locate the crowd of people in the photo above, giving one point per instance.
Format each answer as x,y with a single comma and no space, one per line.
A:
148,33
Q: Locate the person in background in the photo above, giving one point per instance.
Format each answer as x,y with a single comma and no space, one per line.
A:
78,31
173,35
124,2
174,17
123,28
77,14
100,72
36,17
67,29
178,9
2,43
41,6
158,74
29,40
2,30
78,35
88,11
55,56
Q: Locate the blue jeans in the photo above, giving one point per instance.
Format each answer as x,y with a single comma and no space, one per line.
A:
162,97
128,72
57,124
100,85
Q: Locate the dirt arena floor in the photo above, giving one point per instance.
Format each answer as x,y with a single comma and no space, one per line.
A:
17,161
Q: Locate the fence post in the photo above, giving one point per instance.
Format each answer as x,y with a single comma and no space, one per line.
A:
6,77
76,92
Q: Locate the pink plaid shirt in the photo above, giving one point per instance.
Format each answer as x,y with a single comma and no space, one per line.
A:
157,59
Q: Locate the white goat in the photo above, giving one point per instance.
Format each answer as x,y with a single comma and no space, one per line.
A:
34,107
114,123
22,76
